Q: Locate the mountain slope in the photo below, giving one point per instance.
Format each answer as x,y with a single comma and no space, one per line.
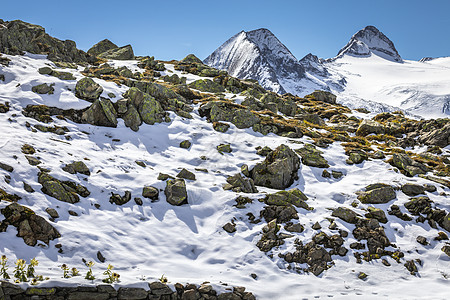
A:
259,55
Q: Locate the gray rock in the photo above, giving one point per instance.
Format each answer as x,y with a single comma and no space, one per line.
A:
411,189
102,47
77,167
241,184
150,192
381,194
158,288
229,227
87,89
122,53
345,214
6,167
185,174
101,113
52,212
43,89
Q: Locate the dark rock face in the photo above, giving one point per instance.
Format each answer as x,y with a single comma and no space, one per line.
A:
18,36
278,170
101,47
30,226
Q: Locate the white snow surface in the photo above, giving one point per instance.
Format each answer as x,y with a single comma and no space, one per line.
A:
187,243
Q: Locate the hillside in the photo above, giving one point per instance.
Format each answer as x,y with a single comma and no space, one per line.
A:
179,170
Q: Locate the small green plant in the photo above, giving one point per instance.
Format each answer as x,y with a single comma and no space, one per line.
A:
75,272
30,270
65,269
19,271
4,268
112,276
89,274
163,279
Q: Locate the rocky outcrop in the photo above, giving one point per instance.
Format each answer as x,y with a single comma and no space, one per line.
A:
102,47
122,53
278,170
18,36
30,226
100,113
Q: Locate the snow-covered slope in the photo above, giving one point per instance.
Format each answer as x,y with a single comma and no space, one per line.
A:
187,243
259,55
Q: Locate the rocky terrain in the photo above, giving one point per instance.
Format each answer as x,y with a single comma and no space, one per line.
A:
175,171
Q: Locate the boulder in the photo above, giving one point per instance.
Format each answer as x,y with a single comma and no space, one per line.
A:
175,192
369,126
283,198
376,213
6,167
77,167
87,89
377,194
120,200
186,144
409,166
241,184
278,170
100,113
224,148
150,110
66,191
312,157
185,174
438,137
217,111
411,189
150,192
122,53
30,226
191,59
323,96
345,214
43,89
445,222
102,47
131,118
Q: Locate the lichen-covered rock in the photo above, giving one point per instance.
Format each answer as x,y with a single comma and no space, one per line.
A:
43,89
102,47
217,111
191,59
87,89
369,126
150,110
411,189
345,214
62,75
186,144
66,191
278,170
185,174
439,137
376,213
356,156
207,85
131,118
30,226
323,96
291,197
241,184
377,194
312,157
18,36
120,200
100,113
121,53
150,192
77,167
409,166
224,148
175,191
445,222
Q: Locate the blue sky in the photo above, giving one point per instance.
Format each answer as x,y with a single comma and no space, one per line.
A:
173,29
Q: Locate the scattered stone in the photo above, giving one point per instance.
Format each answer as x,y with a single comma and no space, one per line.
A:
446,249
185,174
185,144
100,257
6,167
312,157
30,226
316,226
65,191
281,214
87,89
141,163
369,126
52,212
138,201
442,236
362,276
241,184
150,192
291,227
429,188
120,200
220,127
164,177
224,148
376,213
337,174
284,198
175,192
206,85
28,187
77,167
229,227
241,201
395,210
324,96
377,194
422,240
411,267
43,89
357,246
326,174
269,238
278,170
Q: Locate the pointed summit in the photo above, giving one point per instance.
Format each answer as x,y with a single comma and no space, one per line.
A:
258,55
369,41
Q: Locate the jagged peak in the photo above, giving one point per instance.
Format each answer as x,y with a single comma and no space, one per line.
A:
370,40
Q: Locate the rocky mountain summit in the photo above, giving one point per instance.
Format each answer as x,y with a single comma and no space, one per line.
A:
175,171
369,41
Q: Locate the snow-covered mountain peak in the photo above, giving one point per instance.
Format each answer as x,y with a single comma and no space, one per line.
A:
369,41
